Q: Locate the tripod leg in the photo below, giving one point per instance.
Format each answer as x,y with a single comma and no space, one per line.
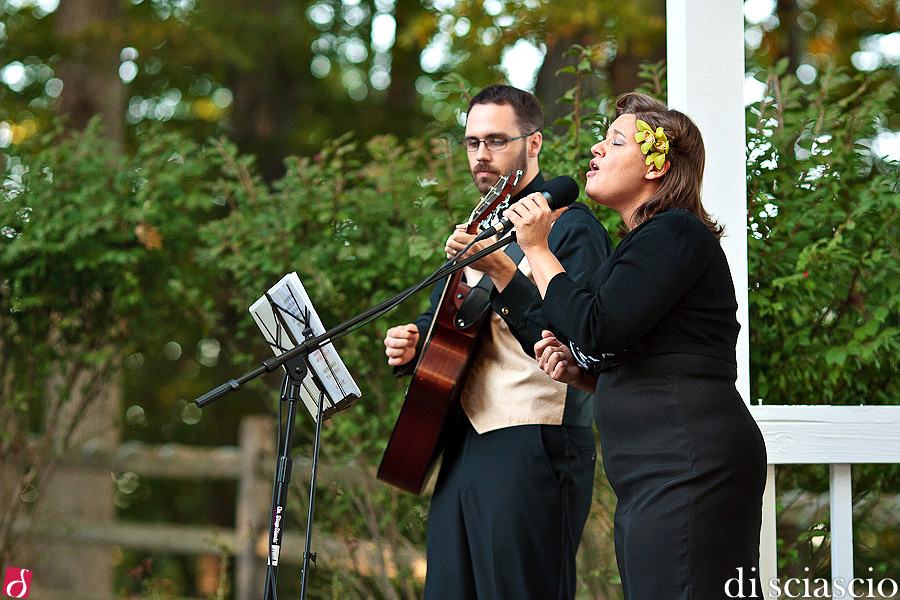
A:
307,555
290,392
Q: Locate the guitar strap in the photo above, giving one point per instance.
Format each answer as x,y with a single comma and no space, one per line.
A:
479,297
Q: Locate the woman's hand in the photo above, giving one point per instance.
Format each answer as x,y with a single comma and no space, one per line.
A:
557,361
532,218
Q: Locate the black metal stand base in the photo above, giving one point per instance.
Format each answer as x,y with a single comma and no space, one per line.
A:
296,372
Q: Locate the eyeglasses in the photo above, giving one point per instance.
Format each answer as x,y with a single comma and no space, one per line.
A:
492,143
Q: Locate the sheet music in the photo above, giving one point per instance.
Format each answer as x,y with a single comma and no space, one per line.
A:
282,315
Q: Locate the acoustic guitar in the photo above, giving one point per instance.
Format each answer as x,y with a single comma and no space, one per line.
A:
432,403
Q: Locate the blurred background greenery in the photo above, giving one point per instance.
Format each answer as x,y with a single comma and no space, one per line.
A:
166,161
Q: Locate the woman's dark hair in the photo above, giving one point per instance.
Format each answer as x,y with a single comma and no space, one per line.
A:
525,105
680,186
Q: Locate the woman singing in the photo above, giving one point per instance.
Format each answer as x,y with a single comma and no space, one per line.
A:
653,335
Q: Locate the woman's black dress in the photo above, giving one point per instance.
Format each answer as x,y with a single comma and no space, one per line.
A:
680,449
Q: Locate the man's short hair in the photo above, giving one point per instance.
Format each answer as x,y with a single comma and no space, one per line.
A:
528,111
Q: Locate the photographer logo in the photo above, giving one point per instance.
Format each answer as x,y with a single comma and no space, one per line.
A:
16,583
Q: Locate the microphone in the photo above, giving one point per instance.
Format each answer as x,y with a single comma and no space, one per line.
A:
559,191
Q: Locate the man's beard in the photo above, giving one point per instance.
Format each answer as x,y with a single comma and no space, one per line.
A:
483,184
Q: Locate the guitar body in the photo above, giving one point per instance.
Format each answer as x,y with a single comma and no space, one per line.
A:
432,404
432,399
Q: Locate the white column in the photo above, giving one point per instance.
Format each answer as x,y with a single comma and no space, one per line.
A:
705,63
841,492
768,537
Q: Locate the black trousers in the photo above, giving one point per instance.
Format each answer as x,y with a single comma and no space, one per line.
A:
508,511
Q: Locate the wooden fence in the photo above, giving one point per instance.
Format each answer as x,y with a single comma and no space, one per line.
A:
251,465
837,436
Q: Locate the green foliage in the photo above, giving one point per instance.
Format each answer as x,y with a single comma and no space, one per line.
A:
829,34
823,267
95,246
94,240
586,113
618,30
106,253
95,259
359,223
824,234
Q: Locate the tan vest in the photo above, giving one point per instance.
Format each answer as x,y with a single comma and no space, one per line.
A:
505,387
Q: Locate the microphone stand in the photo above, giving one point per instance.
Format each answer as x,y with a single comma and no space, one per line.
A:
335,333
293,380
294,362
296,370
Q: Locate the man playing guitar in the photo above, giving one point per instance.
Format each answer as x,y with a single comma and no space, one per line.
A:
514,488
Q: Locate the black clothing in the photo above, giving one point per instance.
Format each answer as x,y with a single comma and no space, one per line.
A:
508,511
665,288
510,504
580,243
680,449
687,463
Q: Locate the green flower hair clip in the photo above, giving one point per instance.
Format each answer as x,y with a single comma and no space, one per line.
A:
654,144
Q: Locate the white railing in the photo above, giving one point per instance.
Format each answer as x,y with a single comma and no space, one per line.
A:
838,436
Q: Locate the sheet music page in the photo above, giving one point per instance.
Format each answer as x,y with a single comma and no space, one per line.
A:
284,330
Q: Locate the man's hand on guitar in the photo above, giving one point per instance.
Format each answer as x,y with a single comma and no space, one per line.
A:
400,344
496,265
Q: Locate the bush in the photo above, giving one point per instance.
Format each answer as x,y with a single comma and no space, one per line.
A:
107,257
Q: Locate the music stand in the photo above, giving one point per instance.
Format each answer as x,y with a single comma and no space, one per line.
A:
277,328
286,317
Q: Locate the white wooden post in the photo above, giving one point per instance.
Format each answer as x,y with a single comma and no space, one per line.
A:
768,536
841,496
705,63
